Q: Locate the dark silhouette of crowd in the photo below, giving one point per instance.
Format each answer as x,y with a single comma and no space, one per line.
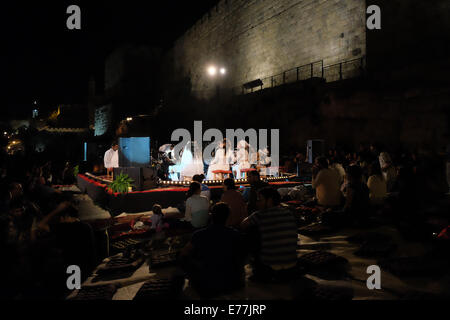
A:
40,232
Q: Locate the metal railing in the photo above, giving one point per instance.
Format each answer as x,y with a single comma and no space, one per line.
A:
331,73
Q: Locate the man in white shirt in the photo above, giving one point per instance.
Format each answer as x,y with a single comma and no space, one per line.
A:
326,181
197,207
111,158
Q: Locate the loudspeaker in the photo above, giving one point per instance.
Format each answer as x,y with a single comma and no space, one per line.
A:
314,149
134,173
144,178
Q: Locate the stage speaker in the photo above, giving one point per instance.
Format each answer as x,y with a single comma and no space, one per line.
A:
134,173
144,178
314,149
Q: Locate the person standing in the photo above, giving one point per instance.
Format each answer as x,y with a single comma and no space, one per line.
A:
111,158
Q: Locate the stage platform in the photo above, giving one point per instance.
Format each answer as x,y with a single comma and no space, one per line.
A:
165,195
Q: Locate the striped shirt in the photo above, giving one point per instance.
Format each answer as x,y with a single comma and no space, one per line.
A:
278,232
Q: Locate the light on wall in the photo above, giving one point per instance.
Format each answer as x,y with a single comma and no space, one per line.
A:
213,71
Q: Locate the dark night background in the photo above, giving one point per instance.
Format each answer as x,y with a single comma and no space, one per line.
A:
43,60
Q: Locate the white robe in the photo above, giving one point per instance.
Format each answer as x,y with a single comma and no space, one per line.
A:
221,161
242,162
111,159
191,164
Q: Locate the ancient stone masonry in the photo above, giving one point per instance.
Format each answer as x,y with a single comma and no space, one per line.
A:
255,39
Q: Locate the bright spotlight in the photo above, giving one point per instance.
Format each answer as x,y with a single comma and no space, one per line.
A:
129,119
223,71
212,71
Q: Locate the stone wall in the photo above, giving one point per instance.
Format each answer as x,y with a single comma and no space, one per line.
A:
254,39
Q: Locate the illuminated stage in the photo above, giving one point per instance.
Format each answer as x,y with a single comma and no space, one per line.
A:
168,194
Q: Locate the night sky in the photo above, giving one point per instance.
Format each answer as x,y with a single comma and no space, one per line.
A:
42,60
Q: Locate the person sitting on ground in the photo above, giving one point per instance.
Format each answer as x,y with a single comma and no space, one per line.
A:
335,165
277,230
409,199
213,258
326,181
232,197
356,193
205,189
376,184
251,193
157,218
373,152
197,207
388,170
68,174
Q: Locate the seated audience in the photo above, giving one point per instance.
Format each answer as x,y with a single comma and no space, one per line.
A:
205,189
197,207
157,218
214,258
251,193
234,199
327,184
388,170
376,184
356,193
409,199
334,165
277,233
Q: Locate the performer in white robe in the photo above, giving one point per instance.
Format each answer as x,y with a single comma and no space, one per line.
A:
264,161
221,161
191,161
242,159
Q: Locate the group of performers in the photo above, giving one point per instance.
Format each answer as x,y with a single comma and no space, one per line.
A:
225,161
